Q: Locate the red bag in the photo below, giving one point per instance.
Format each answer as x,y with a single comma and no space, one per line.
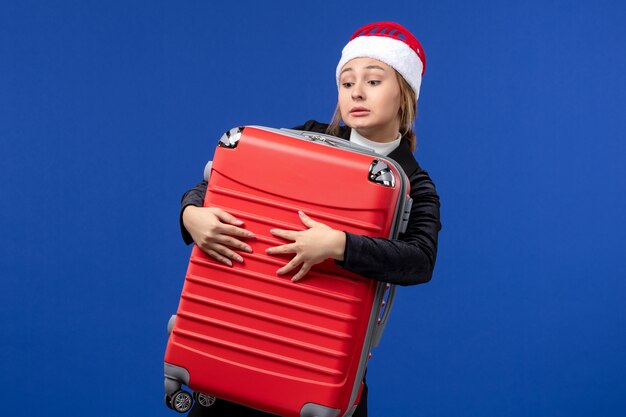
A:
246,335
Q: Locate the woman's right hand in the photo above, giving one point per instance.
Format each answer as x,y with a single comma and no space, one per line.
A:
216,232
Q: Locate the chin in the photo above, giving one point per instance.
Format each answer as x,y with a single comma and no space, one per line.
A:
359,124
364,127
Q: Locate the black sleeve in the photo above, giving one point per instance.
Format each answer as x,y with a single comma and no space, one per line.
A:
193,197
410,259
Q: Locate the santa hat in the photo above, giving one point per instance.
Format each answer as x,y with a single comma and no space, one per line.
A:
392,44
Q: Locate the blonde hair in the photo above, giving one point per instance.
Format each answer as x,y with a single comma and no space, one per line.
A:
408,113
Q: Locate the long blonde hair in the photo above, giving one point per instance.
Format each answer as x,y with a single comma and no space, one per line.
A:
408,113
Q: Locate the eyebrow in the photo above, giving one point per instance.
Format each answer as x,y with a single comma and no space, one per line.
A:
374,67
368,67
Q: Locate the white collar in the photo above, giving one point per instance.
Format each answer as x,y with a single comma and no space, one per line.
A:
381,148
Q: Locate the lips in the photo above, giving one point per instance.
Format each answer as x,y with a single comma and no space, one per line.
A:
359,111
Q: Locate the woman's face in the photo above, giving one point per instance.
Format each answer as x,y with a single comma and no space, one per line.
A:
369,99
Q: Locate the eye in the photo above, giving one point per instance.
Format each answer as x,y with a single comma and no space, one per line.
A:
373,82
347,84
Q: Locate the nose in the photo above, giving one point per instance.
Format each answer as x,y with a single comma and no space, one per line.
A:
357,92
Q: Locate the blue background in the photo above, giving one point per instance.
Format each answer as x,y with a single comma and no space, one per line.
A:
109,110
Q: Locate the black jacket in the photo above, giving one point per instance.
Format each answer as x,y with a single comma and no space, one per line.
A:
408,260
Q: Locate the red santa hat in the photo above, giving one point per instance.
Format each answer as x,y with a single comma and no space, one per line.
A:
392,44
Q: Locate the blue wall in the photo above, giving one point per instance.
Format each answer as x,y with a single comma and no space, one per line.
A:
109,110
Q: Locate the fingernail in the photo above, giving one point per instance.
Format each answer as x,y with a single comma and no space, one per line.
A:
269,250
250,234
229,263
238,222
239,259
272,231
248,249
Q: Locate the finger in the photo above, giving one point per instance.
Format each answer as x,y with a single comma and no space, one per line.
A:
291,265
227,229
226,217
306,220
285,234
233,243
276,250
303,271
222,259
226,252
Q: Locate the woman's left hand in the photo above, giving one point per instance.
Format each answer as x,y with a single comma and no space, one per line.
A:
312,246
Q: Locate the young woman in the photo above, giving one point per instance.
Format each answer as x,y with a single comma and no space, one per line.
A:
378,77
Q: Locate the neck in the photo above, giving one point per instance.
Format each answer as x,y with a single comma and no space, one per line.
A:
378,137
383,134
382,148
